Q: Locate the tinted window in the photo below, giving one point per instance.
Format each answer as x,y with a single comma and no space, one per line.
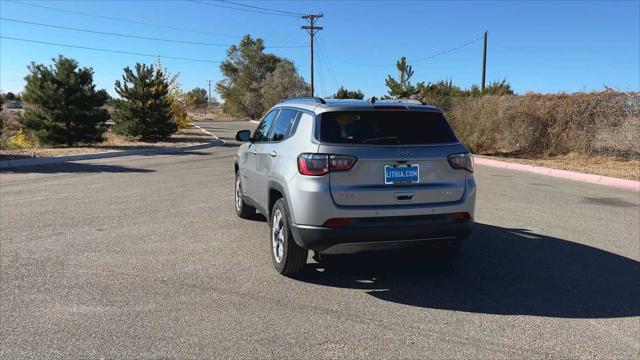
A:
281,128
385,128
263,129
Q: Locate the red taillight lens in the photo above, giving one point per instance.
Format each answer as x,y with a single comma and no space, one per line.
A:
461,161
313,164
337,222
460,216
320,164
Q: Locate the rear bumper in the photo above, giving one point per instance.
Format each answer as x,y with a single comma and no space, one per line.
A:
379,235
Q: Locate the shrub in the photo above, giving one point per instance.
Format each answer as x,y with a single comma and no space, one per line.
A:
606,122
144,109
343,93
178,99
1,115
63,104
197,97
19,141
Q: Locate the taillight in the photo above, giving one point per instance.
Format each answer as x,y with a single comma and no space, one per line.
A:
313,164
320,164
461,161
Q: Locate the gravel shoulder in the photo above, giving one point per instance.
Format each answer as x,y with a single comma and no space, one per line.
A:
186,137
598,165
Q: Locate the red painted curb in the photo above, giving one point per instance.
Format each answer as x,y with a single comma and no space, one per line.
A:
564,174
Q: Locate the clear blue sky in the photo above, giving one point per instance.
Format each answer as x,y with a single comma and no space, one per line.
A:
541,46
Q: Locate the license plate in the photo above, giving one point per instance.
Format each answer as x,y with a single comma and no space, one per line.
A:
401,174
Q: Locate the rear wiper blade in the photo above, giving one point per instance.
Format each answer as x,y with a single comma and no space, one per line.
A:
380,139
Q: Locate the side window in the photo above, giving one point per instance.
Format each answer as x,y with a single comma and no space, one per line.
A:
282,127
263,129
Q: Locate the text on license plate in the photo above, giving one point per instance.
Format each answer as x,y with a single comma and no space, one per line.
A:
400,174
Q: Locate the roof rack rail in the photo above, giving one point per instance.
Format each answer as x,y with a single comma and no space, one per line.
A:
314,98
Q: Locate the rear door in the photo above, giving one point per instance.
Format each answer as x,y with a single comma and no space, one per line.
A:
260,138
269,152
401,157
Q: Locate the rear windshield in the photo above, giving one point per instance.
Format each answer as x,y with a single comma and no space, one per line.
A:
385,127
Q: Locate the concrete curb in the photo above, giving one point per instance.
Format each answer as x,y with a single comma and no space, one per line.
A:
564,174
207,132
254,121
8,164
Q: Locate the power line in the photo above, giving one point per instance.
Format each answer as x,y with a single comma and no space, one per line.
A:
110,50
241,9
134,36
261,8
325,57
448,51
123,20
419,59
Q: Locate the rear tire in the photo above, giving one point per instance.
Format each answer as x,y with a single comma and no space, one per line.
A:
288,258
242,209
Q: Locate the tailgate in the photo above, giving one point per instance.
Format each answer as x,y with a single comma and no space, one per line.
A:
364,185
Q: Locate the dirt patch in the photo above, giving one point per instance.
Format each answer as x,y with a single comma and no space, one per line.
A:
598,165
113,142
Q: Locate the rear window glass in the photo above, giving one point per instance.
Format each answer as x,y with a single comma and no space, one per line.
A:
385,128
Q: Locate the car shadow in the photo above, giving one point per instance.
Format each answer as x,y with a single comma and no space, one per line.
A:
498,271
257,217
71,167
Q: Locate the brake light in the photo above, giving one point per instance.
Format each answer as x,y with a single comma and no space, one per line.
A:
461,161
313,164
320,164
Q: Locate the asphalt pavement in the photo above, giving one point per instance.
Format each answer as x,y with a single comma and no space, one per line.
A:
144,257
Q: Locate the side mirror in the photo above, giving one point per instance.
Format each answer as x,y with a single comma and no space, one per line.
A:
243,135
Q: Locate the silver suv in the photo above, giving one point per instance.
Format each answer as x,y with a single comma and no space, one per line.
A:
343,176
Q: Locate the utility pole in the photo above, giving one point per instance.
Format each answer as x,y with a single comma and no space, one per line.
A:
210,81
484,59
312,29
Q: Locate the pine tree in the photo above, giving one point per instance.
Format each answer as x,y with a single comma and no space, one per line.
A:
63,104
144,107
402,88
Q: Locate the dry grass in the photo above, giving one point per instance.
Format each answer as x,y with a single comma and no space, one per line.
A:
599,165
603,123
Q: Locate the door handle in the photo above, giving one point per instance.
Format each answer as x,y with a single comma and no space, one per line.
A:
273,153
253,152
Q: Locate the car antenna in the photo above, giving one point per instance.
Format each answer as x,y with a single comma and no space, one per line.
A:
373,100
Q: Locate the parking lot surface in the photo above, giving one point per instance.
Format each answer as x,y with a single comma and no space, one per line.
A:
144,257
